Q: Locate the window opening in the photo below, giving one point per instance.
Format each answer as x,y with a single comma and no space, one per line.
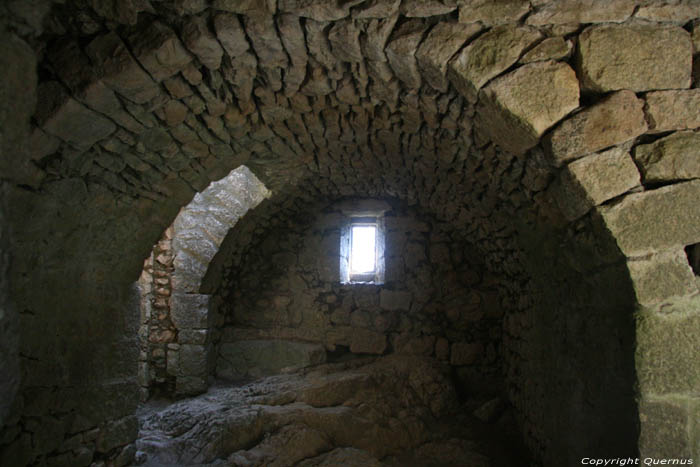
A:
363,249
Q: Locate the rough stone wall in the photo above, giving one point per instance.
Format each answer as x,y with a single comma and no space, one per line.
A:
158,334
335,100
437,299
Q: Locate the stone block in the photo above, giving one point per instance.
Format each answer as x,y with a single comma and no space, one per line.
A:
401,49
366,341
318,10
119,70
60,115
376,9
465,353
230,34
662,219
637,57
553,48
667,355
661,277
489,12
674,157
159,50
263,34
443,41
200,40
190,385
516,109
664,433
172,365
117,433
344,38
193,336
673,110
677,12
592,180
193,360
374,41
394,299
425,8
582,11
190,311
188,274
614,120
488,56
413,345
266,357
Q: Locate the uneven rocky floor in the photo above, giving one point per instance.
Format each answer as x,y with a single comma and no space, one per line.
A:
391,411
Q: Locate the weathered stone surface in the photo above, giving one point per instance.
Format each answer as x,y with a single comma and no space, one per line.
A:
443,41
190,311
401,52
266,357
64,117
465,353
674,157
663,219
664,433
365,404
119,70
424,8
193,336
117,433
349,457
193,360
592,180
159,50
394,300
376,9
373,41
614,120
344,38
263,33
582,11
488,56
175,112
366,341
678,12
199,39
667,353
672,110
661,277
490,12
294,43
318,10
242,73
230,34
637,57
516,109
553,48
246,7
190,385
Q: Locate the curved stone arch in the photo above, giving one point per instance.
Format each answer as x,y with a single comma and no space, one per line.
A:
651,254
179,329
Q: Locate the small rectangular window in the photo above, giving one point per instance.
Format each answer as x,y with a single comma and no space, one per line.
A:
363,249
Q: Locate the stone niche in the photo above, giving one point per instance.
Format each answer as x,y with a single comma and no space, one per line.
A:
285,307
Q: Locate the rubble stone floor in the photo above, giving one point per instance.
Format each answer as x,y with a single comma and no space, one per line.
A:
387,411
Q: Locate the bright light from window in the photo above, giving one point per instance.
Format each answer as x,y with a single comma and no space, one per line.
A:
363,249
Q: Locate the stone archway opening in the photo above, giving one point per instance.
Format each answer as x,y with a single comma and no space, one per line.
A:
177,327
